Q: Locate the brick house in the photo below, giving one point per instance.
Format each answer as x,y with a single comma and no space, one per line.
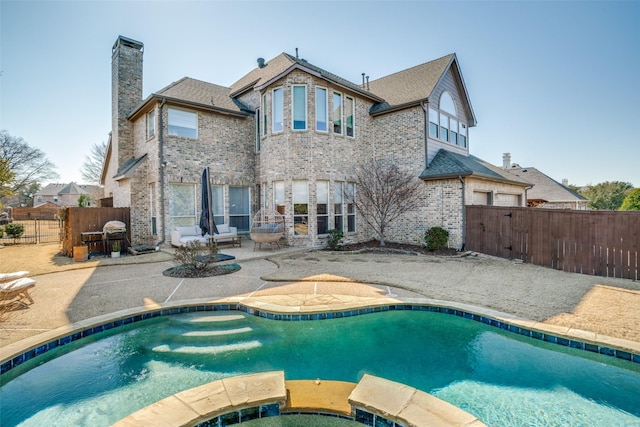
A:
287,136
67,194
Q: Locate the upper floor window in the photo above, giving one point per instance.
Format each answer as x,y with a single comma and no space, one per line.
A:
183,123
349,115
278,110
299,107
447,104
337,113
264,114
434,129
463,135
151,124
321,109
258,131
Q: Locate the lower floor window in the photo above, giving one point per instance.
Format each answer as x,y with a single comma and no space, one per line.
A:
182,204
300,207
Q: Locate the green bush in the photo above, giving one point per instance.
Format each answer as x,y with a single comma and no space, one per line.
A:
14,230
436,238
334,239
1,231
196,255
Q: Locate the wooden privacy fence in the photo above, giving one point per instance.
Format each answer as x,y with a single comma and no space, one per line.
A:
84,220
600,243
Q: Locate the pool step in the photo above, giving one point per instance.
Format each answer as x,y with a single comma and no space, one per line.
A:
209,333
216,319
210,349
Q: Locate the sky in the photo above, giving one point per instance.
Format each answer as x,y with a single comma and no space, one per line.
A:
556,84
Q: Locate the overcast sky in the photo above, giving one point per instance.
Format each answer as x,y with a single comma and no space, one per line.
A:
556,84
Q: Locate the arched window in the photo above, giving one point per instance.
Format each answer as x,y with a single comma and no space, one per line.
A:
447,104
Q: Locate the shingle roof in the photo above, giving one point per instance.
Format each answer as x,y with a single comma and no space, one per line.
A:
413,84
544,187
447,164
259,76
129,167
284,62
199,92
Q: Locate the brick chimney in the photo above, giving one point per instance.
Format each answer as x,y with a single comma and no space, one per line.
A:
126,94
506,161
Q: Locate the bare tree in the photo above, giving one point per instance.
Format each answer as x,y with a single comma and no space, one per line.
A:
383,193
27,165
92,165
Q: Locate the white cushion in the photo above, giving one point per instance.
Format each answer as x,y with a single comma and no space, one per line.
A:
18,284
6,277
223,228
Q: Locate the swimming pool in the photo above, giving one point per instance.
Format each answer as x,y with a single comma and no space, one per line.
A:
501,377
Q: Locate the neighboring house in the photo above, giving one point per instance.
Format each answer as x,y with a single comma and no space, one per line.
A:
288,136
546,192
67,194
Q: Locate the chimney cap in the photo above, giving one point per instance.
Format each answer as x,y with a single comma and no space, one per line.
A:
261,63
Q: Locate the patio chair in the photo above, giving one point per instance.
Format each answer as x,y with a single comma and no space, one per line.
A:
16,285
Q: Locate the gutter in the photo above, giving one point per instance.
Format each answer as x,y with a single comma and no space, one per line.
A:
426,134
464,214
161,165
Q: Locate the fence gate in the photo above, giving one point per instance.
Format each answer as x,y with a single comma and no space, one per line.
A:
36,231
600,243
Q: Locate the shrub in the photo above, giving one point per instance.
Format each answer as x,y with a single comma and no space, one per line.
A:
1,231
14,230
334,239
436,238
196,255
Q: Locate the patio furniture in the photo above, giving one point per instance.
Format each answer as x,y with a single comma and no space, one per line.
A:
267,227
16,285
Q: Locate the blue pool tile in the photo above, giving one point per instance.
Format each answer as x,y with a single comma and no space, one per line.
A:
383,422
563,341
272,410
5,367
537,335
229,419
607,351
40,350
87,332
577,344
364,417
623,355
591,347
551,338
249,414
635,358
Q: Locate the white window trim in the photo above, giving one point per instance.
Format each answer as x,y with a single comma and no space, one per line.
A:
273,109
148,121
306,108
326,109
264,119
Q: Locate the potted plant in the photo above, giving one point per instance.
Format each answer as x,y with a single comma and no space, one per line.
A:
115,250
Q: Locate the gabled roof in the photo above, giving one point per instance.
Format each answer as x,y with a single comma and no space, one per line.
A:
195,93
544,187
129,167
71,188
416,84
283,64
447,165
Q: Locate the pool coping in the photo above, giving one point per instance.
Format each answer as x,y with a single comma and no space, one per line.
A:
301,307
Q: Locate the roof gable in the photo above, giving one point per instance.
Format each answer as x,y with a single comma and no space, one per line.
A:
416,84
446,165
544,187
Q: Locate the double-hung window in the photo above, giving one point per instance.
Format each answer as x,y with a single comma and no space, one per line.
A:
182,204
351,207
258,129
151,124
301,207
278,110
349,115
433,123
264,114
453,131
183,123
217,202
278,196
444,127
337,206
322,206
299,107
321,109
463,135
337,113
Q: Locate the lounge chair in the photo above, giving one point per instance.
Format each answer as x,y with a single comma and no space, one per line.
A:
16,285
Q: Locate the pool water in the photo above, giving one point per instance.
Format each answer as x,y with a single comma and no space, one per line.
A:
503,378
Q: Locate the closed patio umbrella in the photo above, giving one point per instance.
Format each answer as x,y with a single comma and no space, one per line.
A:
207,225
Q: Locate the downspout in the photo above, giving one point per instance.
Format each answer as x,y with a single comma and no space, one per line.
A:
162,165
426,135
526,197
464,214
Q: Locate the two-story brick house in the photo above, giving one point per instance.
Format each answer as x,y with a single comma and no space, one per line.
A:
288,136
